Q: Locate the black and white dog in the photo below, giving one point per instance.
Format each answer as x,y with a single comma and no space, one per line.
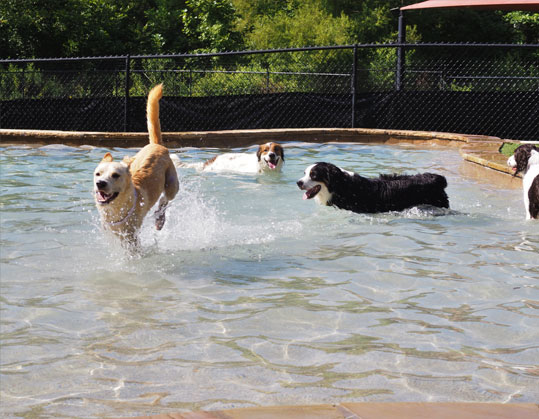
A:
331,185
525,159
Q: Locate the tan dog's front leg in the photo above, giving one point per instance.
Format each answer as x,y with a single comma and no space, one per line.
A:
160,213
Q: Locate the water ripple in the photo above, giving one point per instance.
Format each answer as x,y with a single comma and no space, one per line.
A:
251,296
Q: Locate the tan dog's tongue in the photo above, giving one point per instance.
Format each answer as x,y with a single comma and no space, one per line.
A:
101,196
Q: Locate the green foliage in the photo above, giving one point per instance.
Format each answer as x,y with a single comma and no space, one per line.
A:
461,25
59,28
15,82
456,86
374,22
163,28
46,28
307,25
526,26
147,73
291,24
507,149
380,65
242,81
28,81
210,25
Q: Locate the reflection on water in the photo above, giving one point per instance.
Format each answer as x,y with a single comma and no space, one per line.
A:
252,296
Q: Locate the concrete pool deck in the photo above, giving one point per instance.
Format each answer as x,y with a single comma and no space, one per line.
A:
482,152
370,411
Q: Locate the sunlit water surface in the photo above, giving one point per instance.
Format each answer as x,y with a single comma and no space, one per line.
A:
251,296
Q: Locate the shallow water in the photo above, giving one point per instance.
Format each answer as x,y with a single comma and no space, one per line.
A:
251,296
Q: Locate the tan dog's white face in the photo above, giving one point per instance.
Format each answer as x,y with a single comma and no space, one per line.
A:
110,179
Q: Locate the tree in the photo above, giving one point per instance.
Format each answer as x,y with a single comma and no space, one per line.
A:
59,28
305,25
525,26
210,26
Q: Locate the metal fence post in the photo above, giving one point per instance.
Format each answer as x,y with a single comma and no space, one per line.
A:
126,100
400,52
354,86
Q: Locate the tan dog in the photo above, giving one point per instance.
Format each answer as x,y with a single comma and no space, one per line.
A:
125,191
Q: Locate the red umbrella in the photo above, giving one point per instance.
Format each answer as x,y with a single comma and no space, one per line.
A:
527,5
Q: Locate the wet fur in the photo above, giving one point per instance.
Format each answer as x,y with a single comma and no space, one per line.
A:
525,160
353,192
243,162
138,181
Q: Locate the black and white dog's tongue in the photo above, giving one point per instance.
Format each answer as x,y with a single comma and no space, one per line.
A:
311,193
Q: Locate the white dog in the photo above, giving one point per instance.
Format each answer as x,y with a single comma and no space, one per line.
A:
268,158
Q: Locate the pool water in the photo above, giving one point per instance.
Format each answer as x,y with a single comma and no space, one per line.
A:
251,296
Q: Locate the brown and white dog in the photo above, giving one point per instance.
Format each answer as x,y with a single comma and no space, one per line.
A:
126,190
268,158
525,160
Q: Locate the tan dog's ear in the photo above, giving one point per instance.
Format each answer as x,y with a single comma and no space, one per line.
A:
128,160
107,157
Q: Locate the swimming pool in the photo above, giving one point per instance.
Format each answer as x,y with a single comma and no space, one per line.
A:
251,296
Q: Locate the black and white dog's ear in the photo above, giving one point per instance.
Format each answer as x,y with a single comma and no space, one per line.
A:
334,173
522,156
327,173
521,159
319,172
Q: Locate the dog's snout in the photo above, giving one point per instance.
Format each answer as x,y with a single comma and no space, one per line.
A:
300,184
101,184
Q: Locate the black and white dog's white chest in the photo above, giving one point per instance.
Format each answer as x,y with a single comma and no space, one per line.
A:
526,160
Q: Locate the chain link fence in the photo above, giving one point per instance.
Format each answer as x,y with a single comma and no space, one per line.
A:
464,88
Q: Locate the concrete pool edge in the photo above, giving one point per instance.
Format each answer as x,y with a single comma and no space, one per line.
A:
370,410
477,149
238,138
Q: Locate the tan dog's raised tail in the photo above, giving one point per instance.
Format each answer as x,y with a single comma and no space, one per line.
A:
126,190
